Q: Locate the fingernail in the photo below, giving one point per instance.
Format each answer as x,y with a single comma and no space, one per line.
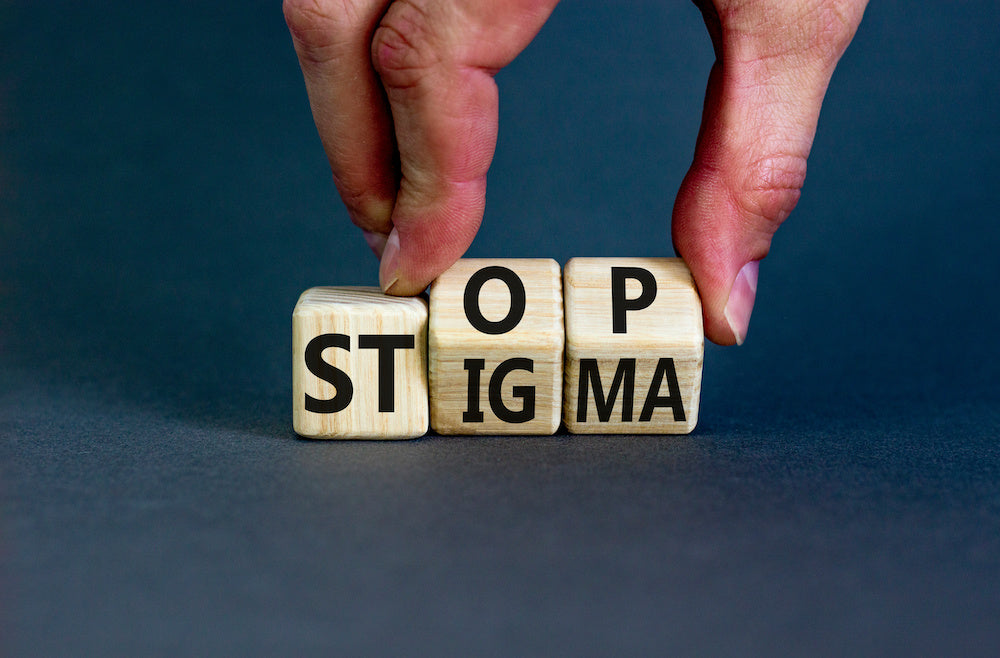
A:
387,275
376,241
741,298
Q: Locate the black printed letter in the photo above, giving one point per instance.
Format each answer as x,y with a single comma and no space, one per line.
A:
386,346
472,413
517,300
328,373
619,304
526,393
664,368
590,372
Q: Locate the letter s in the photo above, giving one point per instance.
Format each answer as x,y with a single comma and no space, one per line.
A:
328,373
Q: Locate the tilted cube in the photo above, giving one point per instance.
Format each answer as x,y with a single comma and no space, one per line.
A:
634,346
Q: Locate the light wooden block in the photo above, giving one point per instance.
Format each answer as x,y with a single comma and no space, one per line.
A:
496,347
359,365
634,346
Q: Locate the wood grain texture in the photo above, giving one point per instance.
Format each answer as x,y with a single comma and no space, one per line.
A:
364,324
459,351
633,367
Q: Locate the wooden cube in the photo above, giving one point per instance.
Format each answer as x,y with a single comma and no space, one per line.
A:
359,365
496,347
634,346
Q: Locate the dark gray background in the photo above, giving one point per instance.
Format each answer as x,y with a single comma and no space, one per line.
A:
164,200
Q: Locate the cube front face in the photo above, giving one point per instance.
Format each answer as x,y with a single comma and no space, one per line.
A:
496,347
634,346
359,365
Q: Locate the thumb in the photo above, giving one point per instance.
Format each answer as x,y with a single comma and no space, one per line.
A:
774,61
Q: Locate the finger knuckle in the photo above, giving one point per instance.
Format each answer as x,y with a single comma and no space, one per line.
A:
833,25
406,44
771,189
819,28
321,28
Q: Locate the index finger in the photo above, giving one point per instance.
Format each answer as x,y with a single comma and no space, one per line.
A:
333,43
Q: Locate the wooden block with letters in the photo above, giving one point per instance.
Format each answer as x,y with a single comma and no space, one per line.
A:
634,346
359,365
496,347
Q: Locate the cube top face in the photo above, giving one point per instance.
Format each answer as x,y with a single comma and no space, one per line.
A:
634,346
496,347
359,365
540,326
319,301
673,317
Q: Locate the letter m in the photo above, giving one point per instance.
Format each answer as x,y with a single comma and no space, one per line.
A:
590,378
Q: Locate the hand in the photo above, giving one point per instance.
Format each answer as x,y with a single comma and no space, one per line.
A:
403,96
422,71
774,59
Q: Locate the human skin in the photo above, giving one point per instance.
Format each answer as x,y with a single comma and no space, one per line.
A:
403,96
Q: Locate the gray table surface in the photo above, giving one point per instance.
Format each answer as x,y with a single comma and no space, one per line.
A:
164,199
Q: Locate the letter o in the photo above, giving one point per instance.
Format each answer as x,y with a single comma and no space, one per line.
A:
517,300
